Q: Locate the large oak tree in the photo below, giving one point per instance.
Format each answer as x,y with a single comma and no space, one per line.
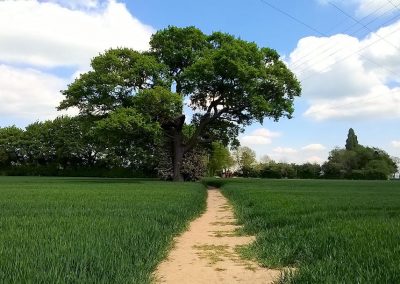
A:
228,83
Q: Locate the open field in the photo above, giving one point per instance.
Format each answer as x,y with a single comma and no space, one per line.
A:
330,231
57,230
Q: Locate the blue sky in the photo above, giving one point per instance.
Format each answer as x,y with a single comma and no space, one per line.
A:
347,60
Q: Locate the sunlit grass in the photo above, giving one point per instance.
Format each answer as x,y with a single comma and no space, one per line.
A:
330,231
90,230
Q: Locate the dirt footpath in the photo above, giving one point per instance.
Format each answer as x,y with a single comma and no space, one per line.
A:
206,252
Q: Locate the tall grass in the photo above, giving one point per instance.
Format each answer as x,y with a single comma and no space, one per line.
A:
330,231
55,230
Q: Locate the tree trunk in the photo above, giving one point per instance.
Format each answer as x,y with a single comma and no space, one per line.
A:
177,157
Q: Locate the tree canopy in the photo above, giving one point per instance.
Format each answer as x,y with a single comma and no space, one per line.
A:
351,141
356,161
227,82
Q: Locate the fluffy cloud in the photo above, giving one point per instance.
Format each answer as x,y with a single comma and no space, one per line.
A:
396,144
56,33
48,34
366,7
285,150
260,136
347,78
77,4
314,147
27,93
312,153
314,159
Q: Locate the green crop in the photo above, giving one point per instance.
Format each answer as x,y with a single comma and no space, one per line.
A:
55,230
328,231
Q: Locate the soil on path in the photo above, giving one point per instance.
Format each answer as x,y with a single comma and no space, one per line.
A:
206,252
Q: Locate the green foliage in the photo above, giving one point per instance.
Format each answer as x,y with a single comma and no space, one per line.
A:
80,146
360,163
220,159
308,171
90,230
116,76
329,231
351,141
128,139
229,82
245,159
271,169
277,170
10,150
159,104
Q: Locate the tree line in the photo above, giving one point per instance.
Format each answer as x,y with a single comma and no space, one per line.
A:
132,121
354,161
75,146
72,146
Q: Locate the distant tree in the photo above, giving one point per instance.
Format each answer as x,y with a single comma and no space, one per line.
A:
220,159
229,82
396,160
360,163
11,146
265,159
351,141
245,159
308,171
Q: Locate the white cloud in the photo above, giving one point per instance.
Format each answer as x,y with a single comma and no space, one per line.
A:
260,136
27,93
314,147
312,153
346,78
56,33
48,34
314,159
263,132
396,144
285,150
76,4
367,7
290,155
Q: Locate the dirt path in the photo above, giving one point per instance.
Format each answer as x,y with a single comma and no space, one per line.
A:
206,252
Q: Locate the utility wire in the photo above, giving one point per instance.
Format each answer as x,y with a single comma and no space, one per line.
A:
348,56
358,51
303,60
323,34
338,50
290,16
358,22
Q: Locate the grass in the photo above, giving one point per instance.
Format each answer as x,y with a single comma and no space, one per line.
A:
62,230
329,231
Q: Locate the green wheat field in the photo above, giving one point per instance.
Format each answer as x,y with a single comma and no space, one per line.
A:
328,231
68,230
56,230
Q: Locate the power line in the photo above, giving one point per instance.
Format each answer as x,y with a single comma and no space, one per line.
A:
303,60
338,50
348,56
320,33
290,16
358,22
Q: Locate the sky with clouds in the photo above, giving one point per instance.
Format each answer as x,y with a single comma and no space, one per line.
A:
346,53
